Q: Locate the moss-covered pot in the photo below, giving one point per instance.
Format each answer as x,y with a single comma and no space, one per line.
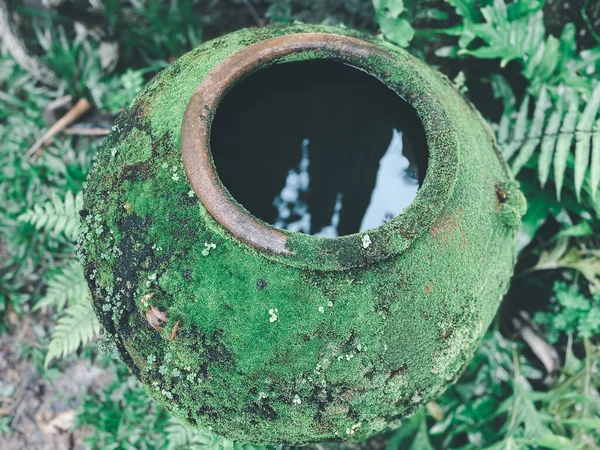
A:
264,335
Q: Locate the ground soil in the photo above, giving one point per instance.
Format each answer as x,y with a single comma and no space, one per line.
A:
41,411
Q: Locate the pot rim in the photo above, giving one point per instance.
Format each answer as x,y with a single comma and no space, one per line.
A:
395,69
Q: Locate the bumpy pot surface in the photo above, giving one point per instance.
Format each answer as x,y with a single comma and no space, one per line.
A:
267,335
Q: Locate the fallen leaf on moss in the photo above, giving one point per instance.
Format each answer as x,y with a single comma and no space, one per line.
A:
158,313
174,332
154,316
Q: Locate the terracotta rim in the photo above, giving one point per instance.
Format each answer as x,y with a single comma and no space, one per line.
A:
198,117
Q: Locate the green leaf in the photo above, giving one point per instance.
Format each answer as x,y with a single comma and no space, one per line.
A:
583,137
580,230
549,61
590,424
421,440
68,285
57,216
464,8
565,138
540,204
549,142
390,8
182,436
412,434
77,326
568,45
535,132
519,131
397,30
554,442
431,13
595,161
392,22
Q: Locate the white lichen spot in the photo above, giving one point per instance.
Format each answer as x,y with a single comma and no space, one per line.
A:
164,165
152,277
175,177
416,398
366,241
321,309
145,300
274,316
191,193
113,152
352,429
297,400
208,246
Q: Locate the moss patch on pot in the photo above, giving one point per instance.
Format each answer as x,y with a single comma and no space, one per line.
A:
335,341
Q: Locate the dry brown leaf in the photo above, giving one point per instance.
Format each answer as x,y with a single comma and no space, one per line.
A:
154,320
158,313
174,332
61,423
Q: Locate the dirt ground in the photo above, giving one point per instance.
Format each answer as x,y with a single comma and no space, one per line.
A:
39,412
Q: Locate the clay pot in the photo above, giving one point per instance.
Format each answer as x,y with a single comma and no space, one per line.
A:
270,336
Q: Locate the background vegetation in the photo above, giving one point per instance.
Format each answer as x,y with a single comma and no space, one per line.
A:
532,67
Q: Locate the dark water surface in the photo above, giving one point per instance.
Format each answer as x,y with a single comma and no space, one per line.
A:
318,147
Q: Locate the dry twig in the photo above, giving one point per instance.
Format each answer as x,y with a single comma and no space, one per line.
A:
259,20
81,107
538,345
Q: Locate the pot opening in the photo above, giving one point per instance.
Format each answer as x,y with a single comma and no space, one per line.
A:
318,147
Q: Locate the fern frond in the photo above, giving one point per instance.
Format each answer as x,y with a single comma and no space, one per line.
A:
57,216
77,326
535,133
181,436
583,137
564,140
595,161
555,136
515,31
549,143
69,285
520,129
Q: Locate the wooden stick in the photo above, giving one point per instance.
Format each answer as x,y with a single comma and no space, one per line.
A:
259,20
81,107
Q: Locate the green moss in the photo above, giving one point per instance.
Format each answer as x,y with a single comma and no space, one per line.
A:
333,342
